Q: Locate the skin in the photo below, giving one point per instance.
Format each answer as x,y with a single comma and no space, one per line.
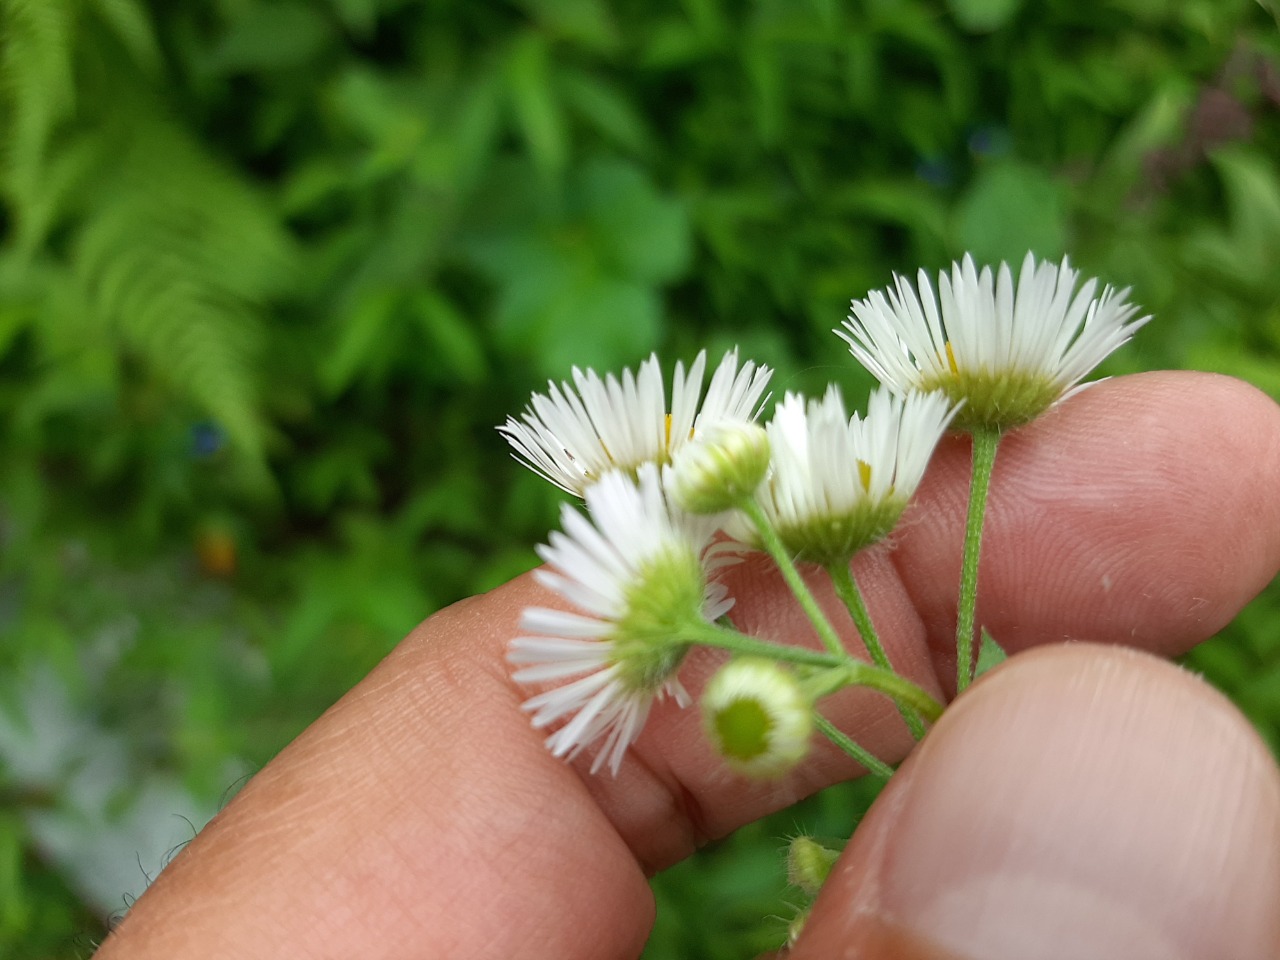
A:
1085,799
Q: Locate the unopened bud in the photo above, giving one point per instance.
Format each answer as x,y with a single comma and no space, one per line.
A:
808,863
796,926
757,717
720,468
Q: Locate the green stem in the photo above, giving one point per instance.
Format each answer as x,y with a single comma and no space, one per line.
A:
870,762
847,590
856,672
712,635
985,441
902,690
791,574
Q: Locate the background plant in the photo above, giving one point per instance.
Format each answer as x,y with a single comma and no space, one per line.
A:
271,272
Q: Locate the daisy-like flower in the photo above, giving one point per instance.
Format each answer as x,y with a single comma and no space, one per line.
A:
639,572
576,433
757,717
840,483
1009,351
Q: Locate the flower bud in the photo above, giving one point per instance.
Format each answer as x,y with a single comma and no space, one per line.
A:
720,468
808,863
796,926
757,717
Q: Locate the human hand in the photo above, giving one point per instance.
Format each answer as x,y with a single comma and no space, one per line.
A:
1080,802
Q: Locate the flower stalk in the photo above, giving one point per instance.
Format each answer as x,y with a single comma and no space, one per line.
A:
984,459
869,761
842,670
846,588
791,574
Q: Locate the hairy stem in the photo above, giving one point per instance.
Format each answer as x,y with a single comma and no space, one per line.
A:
791,574
725,638
842,671
903,691
984,459
847,590
870,762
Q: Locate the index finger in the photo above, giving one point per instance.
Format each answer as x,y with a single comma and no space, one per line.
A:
422,817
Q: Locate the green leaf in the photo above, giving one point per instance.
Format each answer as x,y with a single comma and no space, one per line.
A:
371,106
644,233
15,907
475,132
312,183
39,87
990,654
358,16
768,84
1009,209
673,43
272,37
606,323
983,16
607,109
863,71
894,200
457,351
363,332
1252,182
537,111
132,24
1272,7
177,262
588,23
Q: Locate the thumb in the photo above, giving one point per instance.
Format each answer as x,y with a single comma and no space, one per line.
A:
1083,801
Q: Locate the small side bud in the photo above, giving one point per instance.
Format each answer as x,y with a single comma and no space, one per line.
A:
757,717
796,926
808,863
721,467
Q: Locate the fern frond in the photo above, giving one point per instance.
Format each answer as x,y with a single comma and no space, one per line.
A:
132,25
179,257
37,79
174,255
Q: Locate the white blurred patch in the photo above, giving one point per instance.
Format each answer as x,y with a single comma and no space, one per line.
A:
109,830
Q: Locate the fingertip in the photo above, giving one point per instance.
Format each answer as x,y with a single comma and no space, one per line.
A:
1140,511
1081,801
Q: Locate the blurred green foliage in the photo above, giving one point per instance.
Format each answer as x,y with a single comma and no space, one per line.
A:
273,269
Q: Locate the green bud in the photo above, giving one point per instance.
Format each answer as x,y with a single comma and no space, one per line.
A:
796,926
720,468
808,863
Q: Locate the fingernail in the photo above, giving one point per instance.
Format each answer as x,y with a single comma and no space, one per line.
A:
1089,803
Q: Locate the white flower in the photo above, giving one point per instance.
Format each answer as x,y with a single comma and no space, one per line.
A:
840,483
757,717
638,572
574,434
1008,351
